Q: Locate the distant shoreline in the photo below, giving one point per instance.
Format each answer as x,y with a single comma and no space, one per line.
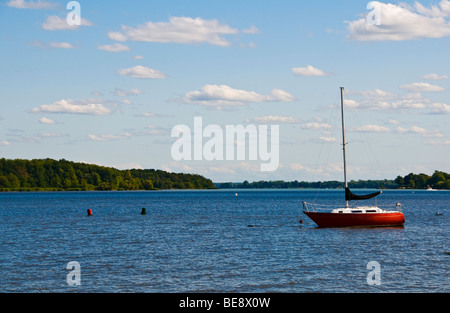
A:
20,175
25,190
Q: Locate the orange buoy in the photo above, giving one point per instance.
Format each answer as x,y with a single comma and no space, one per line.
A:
89,212
301,222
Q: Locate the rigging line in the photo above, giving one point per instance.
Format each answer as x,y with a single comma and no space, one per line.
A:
332,122
365,143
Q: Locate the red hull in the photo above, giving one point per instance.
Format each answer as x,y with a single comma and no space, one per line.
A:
356,219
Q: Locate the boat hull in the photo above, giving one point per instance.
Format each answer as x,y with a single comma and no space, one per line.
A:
357,219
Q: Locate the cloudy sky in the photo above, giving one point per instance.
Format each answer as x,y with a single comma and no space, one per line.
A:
111,90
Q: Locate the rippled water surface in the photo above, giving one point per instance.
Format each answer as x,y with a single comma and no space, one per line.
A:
200,241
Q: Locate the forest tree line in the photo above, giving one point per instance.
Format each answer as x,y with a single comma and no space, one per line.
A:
439,180
48,174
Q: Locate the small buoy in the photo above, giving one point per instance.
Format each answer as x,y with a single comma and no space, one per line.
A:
144,211
235,194
89,212
301,222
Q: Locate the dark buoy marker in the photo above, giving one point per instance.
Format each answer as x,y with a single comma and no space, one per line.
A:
89,212
144,211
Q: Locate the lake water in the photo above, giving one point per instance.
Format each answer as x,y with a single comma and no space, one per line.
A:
200,241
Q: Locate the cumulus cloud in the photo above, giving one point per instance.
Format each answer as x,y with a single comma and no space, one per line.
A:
184,30
403,22
421,131
328,139
57,45
223,95
62,45
273,119
55,22
108,137
316,126
422,87
381,100
141,72
251,30
45,120
309,71
126,93
440,108
433,76
117,47
373,129
36,5
73,107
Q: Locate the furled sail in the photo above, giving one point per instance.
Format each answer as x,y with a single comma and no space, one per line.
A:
349,196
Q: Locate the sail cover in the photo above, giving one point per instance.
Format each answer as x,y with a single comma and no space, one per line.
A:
349,196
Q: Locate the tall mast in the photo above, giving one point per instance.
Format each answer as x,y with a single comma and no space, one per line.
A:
343,142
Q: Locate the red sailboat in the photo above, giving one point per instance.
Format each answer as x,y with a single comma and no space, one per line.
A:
368,216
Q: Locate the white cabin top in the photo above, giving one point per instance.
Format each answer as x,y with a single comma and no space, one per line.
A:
361,209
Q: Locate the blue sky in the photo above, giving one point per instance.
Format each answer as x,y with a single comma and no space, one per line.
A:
110,91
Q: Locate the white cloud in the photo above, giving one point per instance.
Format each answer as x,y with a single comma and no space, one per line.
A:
380,100
117,47
422,87
57,45
433,76
37,5
316,126
393,122
184,30
328,139
251,30
54,22
376,93
45,120
142,72
126,93
223,95
435,142
308,71
109,137
5,143
155,130
62,45
273,119
373,129
73,107
403,22
440,108
420,130
296,166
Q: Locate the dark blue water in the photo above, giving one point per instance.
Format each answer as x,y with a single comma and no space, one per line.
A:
199,241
